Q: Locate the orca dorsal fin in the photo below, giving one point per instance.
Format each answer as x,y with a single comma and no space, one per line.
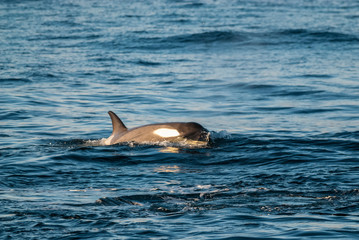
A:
117,124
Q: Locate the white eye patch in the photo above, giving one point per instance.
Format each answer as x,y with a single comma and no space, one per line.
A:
166,132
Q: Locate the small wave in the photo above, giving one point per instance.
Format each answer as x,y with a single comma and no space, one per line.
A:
87,36
346,135
316,110
316,36
252,86
207,37
228,37
106,201
15,80
227,196
193,5
15,115
147,63
315,76
297,93
183,40
288,36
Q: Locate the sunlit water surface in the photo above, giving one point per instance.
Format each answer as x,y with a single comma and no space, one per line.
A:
276,82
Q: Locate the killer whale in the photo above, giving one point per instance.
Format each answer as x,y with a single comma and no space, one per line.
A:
171,132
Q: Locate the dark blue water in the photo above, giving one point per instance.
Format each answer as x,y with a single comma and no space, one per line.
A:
277,83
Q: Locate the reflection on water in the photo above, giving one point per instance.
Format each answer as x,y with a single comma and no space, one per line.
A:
172,169
170,150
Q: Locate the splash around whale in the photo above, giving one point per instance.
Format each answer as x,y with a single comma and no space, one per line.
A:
173,132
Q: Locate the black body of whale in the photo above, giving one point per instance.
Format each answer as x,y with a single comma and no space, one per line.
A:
171,131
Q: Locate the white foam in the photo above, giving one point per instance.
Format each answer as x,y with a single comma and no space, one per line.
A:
221,134
166,132
96,143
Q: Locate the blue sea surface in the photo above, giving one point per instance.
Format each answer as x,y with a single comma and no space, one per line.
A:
276,82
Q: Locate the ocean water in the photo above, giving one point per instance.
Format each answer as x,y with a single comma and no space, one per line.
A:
276,82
